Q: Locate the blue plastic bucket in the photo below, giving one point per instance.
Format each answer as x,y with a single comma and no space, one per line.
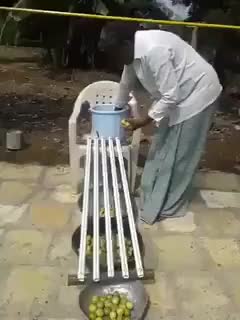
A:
106,121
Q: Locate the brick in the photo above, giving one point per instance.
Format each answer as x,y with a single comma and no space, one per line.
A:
10,214
12,192
224,252
22,171
182,224
162,294
26,285
199,294
49,214
178,251
25,247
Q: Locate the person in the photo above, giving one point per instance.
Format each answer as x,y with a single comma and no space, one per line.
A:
184,89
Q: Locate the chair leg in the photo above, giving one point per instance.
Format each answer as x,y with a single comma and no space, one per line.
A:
75,172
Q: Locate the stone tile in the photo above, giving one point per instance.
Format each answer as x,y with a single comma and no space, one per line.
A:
26,285
13,192
25,247
162,295
1,232
22,171
178,251
151,260
11,214
216,180
200,294
233,286
220,199
224,252
64,194
68,301
212,313
50,214
58,175
182,224
218,223
61,249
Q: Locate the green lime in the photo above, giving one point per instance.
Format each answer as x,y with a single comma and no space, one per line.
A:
115,300
99,313
92,316
129,305
127,313
114,307
107,303
99,318
94,299
102,299
123,301
113,315
92,308
126,318
100,305
107,311
120,311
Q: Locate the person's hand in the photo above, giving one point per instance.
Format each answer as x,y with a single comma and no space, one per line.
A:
136,123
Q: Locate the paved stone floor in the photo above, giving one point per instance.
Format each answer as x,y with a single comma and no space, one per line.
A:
196,258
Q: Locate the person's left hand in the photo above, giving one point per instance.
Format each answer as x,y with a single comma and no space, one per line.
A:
135,123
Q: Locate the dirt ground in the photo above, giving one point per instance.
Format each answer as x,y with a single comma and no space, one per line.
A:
39,102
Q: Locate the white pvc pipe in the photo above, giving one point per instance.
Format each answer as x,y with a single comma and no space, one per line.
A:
96,269
118,211
136,250
108,229
82,249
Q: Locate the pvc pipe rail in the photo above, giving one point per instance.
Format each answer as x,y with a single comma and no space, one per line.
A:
99,153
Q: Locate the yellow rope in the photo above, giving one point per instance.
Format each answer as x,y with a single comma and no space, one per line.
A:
125,19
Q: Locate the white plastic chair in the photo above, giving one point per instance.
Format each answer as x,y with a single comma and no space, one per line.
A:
101,92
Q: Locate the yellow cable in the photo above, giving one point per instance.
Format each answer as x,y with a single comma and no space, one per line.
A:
125,19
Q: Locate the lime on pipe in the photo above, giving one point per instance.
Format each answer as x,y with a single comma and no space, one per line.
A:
125,124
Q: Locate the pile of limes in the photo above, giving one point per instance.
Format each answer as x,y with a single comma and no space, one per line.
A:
102,213
103,247
110,307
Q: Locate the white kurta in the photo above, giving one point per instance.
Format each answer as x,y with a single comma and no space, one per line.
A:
180,81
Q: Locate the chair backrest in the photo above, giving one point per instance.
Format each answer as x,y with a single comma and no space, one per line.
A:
100,92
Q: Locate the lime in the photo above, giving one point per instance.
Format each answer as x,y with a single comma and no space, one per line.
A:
94,299
114,307
127,313
92,316
127,318
113,315
102,299
100,305
129,305
108,304
99,313
115,300
123,301
92,308
99,318
120,311
107,311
